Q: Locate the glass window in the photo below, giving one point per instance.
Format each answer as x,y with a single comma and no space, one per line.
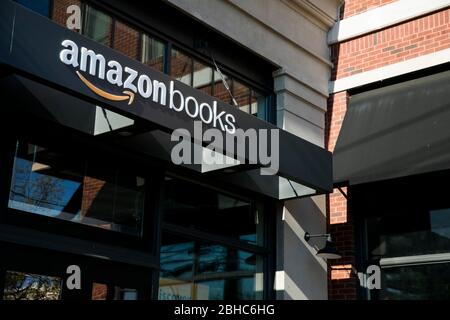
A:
28,286
52,184
258,105
97,26
125,293
204,209
203,77
195,270
221,83
420,233
241,94
126,40
416,282
112,200
407,233
102,291
153,52
45,183
40,6
181,67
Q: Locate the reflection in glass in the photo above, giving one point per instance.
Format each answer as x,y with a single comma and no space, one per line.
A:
258,104
417,282
45,183
97,26
112,200
242,95
195,206
48,183
181,67
220,90
407,228
194,270
153,52
422,233
125,293
202,77
28,286
126,40
102,291
99,291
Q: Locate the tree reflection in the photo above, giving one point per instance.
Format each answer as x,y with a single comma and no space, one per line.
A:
26,286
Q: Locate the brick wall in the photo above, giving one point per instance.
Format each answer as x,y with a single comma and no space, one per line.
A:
354,7
398,43
402,42
342,281
126,40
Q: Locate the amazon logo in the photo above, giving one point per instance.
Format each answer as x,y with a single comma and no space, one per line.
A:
112,71
133,83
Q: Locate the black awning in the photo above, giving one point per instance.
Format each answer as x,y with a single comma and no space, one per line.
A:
395,131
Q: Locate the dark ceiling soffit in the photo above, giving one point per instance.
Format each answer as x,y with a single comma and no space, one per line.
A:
31,46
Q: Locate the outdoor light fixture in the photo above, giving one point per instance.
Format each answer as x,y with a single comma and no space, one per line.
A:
327,252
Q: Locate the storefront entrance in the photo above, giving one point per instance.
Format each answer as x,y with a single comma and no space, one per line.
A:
36,274
88,182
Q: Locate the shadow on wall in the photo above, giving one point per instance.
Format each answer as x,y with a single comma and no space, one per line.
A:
302,275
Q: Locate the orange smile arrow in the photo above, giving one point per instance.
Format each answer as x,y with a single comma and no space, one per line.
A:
129,95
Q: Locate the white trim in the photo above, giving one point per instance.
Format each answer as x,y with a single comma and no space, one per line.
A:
390,71
382,17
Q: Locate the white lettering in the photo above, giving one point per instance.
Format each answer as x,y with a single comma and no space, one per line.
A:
230,127
217,117
132,75
72,53
159,90
145,86
195,103
172,93
114,75
94,58
127,78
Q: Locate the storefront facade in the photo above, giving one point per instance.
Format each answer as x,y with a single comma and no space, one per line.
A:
87,181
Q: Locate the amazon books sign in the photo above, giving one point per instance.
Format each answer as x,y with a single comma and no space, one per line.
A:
84,60
39,49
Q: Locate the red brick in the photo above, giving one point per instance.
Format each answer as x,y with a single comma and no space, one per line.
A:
420,35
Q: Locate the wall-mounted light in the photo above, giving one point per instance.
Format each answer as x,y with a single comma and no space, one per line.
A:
327,252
